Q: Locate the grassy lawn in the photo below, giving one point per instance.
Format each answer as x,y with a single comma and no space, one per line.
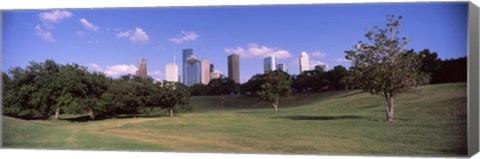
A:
431,122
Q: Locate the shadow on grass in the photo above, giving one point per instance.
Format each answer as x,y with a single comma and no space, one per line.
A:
86,118
321,117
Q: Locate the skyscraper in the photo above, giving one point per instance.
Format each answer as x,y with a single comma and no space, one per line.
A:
186,53
234,68
142,68
282,67
171,71
192,71
304,66
212,68
269,64
205,72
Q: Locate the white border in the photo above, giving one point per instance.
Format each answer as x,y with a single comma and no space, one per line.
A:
48,4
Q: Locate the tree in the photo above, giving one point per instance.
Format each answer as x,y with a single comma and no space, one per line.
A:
276,84
171,94
337,78
199,90
253,85
318,79
383,67
451,70
311,80
222,86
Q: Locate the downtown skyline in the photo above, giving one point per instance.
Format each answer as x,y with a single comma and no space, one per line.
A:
111,40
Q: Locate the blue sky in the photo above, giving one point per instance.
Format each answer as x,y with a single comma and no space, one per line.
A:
111,40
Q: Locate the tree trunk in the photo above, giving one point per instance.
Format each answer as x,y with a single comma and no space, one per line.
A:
91,114
171,112
389,107
57,114
275,105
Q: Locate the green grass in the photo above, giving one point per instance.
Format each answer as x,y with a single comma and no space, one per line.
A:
431,122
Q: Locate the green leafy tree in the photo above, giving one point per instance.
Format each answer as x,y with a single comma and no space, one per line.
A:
253,85
275,85
383,66
199,90
337,78
311,80
222,86
171,95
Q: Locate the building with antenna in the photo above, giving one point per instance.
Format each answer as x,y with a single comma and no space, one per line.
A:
171,71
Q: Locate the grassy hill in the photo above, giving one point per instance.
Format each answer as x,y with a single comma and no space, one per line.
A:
431,122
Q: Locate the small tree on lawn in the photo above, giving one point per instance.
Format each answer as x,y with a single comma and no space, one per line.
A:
172,94
383,65
276,84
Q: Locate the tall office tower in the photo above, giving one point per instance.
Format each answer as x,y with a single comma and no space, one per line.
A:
212,68
282,67
171,71
192,71
234,68
186,53
304,66
142,68
323,67
269,63
205,72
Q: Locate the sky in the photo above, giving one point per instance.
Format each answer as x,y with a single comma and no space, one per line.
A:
111,40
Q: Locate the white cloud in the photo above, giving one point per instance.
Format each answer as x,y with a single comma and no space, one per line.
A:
114,70
137,36
124,34
44,34
87,25
318,54
118,70
342,60
157,75
258,51
55,16
184,37
94,67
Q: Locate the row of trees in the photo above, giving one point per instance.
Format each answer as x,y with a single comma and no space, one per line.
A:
339,78
43,89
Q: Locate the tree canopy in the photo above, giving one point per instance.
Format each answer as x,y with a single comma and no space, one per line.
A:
383,66
275,84
43,89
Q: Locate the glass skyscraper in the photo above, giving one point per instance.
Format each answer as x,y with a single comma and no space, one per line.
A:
269,63
186,53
